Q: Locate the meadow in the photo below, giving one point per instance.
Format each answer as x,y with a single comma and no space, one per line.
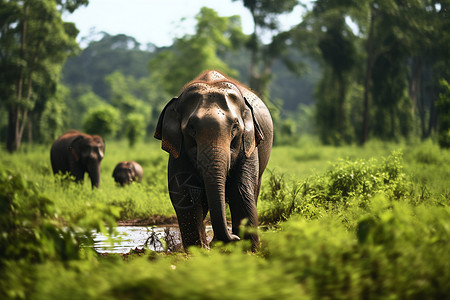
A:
336,222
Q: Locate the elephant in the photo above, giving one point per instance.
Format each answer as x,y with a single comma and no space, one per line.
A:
219,136
77,153
127,171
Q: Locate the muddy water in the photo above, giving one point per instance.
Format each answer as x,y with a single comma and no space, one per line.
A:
131,237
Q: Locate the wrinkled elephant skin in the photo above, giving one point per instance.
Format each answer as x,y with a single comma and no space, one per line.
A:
76,153
219,135
126,172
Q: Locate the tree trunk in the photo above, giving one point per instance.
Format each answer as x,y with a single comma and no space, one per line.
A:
30,129
415,93
368,78
341,108
433,121
13,115
14,129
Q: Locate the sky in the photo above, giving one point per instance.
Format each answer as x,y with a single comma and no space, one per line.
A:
156,21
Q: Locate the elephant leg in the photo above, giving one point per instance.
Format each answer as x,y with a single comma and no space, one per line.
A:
78,172
242,194
188,199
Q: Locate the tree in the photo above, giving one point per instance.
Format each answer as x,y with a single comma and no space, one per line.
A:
101,58
443,105
129,96
265,18
336,48
192,54
54,119
389,36
34,43
134,128
102,120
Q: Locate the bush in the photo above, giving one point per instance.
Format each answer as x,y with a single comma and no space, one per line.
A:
28,224
102,120
345,183
397,251
358,179
134,128
278,200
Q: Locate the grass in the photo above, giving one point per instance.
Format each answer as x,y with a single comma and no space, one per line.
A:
349,222
136,200
426,165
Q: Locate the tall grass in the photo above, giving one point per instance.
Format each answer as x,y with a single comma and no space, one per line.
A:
340,223
136,200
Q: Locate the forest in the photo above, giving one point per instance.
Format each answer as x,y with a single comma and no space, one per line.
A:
355,201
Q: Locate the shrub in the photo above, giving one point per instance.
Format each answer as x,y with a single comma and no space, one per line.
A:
345,183
358,179
28,224
102,120
397,251
134,128
278,201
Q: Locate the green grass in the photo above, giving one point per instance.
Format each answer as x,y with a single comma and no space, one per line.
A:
352,222
426,165
136,200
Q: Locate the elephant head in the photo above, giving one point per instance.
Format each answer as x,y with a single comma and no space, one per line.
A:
88,152
211,124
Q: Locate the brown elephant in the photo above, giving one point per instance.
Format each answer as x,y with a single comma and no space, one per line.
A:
126,172
219,135
77,153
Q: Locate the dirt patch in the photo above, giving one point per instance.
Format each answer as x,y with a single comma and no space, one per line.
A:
152,220
157,220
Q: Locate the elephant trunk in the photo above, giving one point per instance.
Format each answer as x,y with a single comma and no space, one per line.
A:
94,174
213,163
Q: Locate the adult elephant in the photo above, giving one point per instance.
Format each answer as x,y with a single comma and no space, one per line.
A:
77,153
127,171
219,135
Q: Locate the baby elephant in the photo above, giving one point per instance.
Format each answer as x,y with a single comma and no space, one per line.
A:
127,171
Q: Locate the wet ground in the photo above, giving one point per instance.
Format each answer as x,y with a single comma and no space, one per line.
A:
156,238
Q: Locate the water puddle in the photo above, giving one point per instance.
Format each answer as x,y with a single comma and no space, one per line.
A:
132,237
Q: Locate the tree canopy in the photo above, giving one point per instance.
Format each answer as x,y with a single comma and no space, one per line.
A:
348,71
34,44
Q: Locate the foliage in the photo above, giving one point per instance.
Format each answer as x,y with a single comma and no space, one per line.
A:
443,105
361,179
333,262
279,201
34,43
265,14
102,120
214,35
375,46
346,183
54,119
111,53
136,200
27,230
382,234
131,98
134,128
31,226
80,105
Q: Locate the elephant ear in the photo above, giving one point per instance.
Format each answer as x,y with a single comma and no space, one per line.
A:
75,148
168,129
116,169
252,131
